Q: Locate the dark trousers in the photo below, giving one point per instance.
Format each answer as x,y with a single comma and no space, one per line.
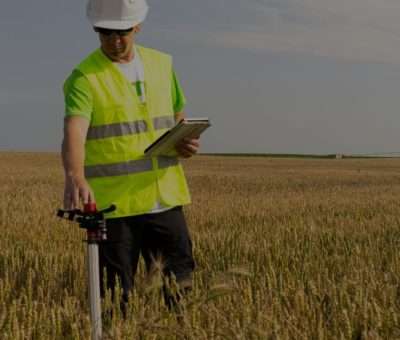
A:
162,236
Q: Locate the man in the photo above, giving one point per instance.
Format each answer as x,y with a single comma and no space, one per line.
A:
118,100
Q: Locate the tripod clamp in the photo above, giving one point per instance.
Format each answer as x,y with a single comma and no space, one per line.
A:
90,219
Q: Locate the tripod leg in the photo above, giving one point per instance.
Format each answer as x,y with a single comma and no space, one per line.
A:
94,290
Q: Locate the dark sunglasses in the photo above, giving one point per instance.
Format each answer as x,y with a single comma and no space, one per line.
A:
108,32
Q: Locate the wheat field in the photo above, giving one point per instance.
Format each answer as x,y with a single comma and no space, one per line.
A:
285,249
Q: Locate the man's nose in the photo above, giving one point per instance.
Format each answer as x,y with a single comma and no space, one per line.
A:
114,37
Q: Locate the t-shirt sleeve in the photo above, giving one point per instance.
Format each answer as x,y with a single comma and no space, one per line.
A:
178,97
78,96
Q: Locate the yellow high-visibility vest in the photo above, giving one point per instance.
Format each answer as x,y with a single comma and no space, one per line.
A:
120,130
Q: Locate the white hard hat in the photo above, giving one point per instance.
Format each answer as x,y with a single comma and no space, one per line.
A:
116,14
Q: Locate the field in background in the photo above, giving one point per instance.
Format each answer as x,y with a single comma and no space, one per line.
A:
285,249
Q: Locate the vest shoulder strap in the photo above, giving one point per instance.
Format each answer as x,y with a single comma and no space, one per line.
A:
154,55
94,62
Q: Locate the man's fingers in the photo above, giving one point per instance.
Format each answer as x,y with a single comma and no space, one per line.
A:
91,197
76,194
76,198
189,148
191,141
186,151
68,202
87,195
84,194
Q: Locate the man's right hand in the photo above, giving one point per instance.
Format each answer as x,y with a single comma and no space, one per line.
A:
77,191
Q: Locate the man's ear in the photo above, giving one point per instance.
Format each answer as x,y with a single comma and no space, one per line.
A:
137,28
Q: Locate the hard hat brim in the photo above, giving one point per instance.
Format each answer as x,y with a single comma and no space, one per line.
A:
115,25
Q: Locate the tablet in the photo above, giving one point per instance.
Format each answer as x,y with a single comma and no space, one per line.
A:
186,128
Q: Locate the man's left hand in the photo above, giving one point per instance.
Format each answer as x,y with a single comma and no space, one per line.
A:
188,147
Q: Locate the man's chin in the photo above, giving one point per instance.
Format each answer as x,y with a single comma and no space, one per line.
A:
116,55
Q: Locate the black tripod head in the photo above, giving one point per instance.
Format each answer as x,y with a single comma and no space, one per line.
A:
90,219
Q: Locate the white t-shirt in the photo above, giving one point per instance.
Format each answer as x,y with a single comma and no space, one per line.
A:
134,72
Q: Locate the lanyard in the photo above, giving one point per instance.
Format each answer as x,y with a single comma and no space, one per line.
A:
139,84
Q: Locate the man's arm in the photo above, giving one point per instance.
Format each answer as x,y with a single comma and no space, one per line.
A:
73,155
188,147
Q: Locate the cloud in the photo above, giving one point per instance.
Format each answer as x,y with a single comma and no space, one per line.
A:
352,30
355,30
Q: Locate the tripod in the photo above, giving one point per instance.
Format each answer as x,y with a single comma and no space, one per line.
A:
95,224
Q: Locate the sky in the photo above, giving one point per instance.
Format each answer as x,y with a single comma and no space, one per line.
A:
273,76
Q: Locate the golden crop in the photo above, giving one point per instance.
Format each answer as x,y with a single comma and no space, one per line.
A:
285,249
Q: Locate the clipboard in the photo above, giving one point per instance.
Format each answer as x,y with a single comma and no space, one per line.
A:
186,128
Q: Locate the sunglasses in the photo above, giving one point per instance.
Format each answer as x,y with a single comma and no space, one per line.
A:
107,32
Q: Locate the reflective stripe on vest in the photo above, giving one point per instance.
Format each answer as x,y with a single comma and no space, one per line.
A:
166,162
128,128
116,129
128,168
164,122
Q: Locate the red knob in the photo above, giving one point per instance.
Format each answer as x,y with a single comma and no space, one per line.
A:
90,207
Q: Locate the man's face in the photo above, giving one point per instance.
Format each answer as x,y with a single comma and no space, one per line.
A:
117,44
